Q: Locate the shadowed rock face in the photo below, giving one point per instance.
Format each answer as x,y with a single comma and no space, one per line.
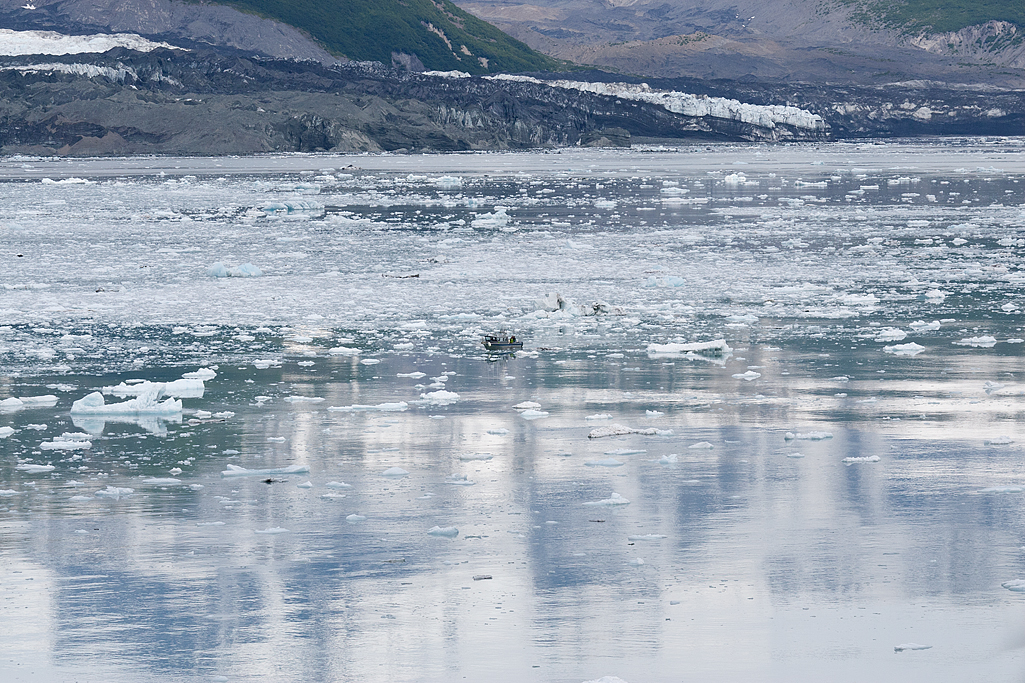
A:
227,102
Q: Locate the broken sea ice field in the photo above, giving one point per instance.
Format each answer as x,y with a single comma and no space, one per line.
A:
801,367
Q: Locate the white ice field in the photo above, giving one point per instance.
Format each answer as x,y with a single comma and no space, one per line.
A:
766,425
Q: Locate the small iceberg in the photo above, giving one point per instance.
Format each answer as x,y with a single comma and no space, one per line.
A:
910,349
856,459
144,404
395,473
443,531
984,342
619,430
716,347
30,468
219,270
910,646
380,407
614,500
236,471
440,397
807,436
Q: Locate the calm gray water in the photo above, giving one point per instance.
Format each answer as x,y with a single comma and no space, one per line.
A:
848,479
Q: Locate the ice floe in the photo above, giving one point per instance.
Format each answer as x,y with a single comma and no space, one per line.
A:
612,501
380,407
440,397
30,468
909,349
1002,489
619,430
910,646
1017,586
807,436
983,342
857,459
114,492
6,432
271,531
236,471
533,414
443,531
395,473
145,404
605,462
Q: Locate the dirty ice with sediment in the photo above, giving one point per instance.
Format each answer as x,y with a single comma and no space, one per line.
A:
765,425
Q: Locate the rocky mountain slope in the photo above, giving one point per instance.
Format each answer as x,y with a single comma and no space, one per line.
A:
418,34
836,41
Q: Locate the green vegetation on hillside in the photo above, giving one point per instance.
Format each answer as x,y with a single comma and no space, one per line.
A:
440,34
937,16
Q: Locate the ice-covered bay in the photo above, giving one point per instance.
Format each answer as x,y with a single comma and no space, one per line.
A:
287,521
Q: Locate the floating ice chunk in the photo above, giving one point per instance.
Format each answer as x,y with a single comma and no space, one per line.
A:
161,481
79,499
210,523
795,455
395,473
303,399
607,679
717,347
533,414
305,485
1016,586
889,334
274,530
349,351
30,468
605,462
497,219
443,531
856,459
910,646
440,397
276,439
501,431
599,416
175,471
935,296
922,326
114,492
704,445
748,376
998,441
412,375
636,562
909,349
448,182
458,480
623,451
205,374
380,407
338,485
203,414
618,430
179,388
807,436
145,404
646,537
990,387
474,456
355,519
7,493
984,342
1002,489
236,471
527,405
369,361
11,405
66,444
6,432
653,413
670,459
612,501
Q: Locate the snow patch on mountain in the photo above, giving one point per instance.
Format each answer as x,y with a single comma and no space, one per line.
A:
52,43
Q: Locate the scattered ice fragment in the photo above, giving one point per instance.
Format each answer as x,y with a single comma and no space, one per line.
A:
984,342
910,349
475,456
607,679
303,399
856,459
305,485
653,413
30,468
636,562
224,415
458,480
599,416
161,481
276,439
527,405
144,404
1016,586
349,351
501,431
380,407
533,414
64,443
6,493
236,471
807,436
612,501
79,499
795,455
210,523
355,519
271,531
606,462
338,485
623,451
444,531
618,430
394,473
205,374
717,347
889,334
922,326
6,432
910,646
412,375
1002,489
114,492
266,363
203,414
999,441
440,397
646,537
935,296
704,445
218,269
370,361
669,459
